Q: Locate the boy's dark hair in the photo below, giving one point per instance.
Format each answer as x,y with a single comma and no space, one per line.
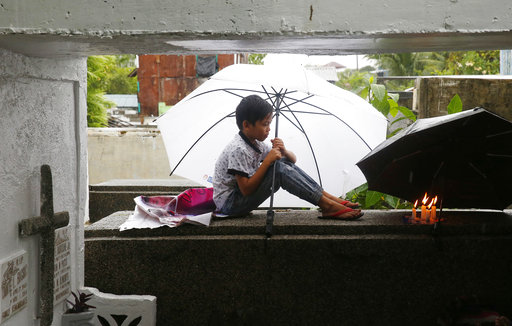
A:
252,108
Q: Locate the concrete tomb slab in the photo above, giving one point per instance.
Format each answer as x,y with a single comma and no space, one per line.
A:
376,270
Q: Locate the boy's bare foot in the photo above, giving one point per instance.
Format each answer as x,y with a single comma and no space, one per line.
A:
348,203
341,200
331,209
347,214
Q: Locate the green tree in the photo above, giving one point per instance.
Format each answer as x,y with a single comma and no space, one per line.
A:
125,60
256,58
385,103
401,64
434,63
107,74
439,63
97,67
353,80
471,63
370,199
117,79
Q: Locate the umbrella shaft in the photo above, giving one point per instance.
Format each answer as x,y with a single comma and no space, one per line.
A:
270,212
278,110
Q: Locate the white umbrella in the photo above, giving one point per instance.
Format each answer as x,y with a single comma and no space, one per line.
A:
329,129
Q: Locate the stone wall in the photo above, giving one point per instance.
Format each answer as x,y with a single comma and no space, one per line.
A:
494,93
126,153
43,121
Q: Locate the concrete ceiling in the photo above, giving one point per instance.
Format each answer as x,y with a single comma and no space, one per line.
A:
76,45
61,28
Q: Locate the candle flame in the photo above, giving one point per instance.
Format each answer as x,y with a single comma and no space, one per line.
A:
415,203
425,199
435,200
431,203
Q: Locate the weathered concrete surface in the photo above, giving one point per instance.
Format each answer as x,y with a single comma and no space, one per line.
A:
117,195
494,93
113,17
311,272
57,28
126,153
43,121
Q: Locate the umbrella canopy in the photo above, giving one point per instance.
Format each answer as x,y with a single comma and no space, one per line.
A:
464,158
328,128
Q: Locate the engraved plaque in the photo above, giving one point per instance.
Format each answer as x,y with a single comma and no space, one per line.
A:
14,289
62,274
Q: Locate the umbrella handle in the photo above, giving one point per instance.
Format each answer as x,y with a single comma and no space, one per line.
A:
270,223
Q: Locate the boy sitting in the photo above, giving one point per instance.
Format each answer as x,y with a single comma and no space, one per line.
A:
243,171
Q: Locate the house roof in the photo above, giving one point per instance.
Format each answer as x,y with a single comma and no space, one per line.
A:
335,65
123,100
327,73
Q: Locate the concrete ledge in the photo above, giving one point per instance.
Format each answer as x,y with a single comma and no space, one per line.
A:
301,222
376,271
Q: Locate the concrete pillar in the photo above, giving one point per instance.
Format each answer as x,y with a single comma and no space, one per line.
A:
506,62
43,122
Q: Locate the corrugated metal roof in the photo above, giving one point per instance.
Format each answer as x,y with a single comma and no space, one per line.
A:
123,100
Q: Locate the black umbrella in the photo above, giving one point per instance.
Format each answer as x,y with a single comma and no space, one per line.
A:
464,158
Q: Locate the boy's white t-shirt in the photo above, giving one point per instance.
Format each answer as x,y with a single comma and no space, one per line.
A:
240,157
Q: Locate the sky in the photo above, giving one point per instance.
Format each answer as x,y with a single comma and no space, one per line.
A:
350,61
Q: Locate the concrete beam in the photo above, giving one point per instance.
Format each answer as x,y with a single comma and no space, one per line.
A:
62,28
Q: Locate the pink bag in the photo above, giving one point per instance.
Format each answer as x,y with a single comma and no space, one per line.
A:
195,201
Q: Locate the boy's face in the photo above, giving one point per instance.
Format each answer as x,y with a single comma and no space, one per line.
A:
259,130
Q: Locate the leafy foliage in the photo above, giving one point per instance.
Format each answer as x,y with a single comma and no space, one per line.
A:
96,84
256,58
401,64
455,105
80,304
117,80
107,74
411,64
370,199
386,103
471,63
353,80
119,83
439,63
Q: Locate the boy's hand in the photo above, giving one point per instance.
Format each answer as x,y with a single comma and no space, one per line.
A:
274,155
278,143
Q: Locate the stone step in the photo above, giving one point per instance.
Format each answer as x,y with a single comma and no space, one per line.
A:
117,195
374,271
304,222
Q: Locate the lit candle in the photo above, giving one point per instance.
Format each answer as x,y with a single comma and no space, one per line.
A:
433,213
429,207
424,208
414,217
